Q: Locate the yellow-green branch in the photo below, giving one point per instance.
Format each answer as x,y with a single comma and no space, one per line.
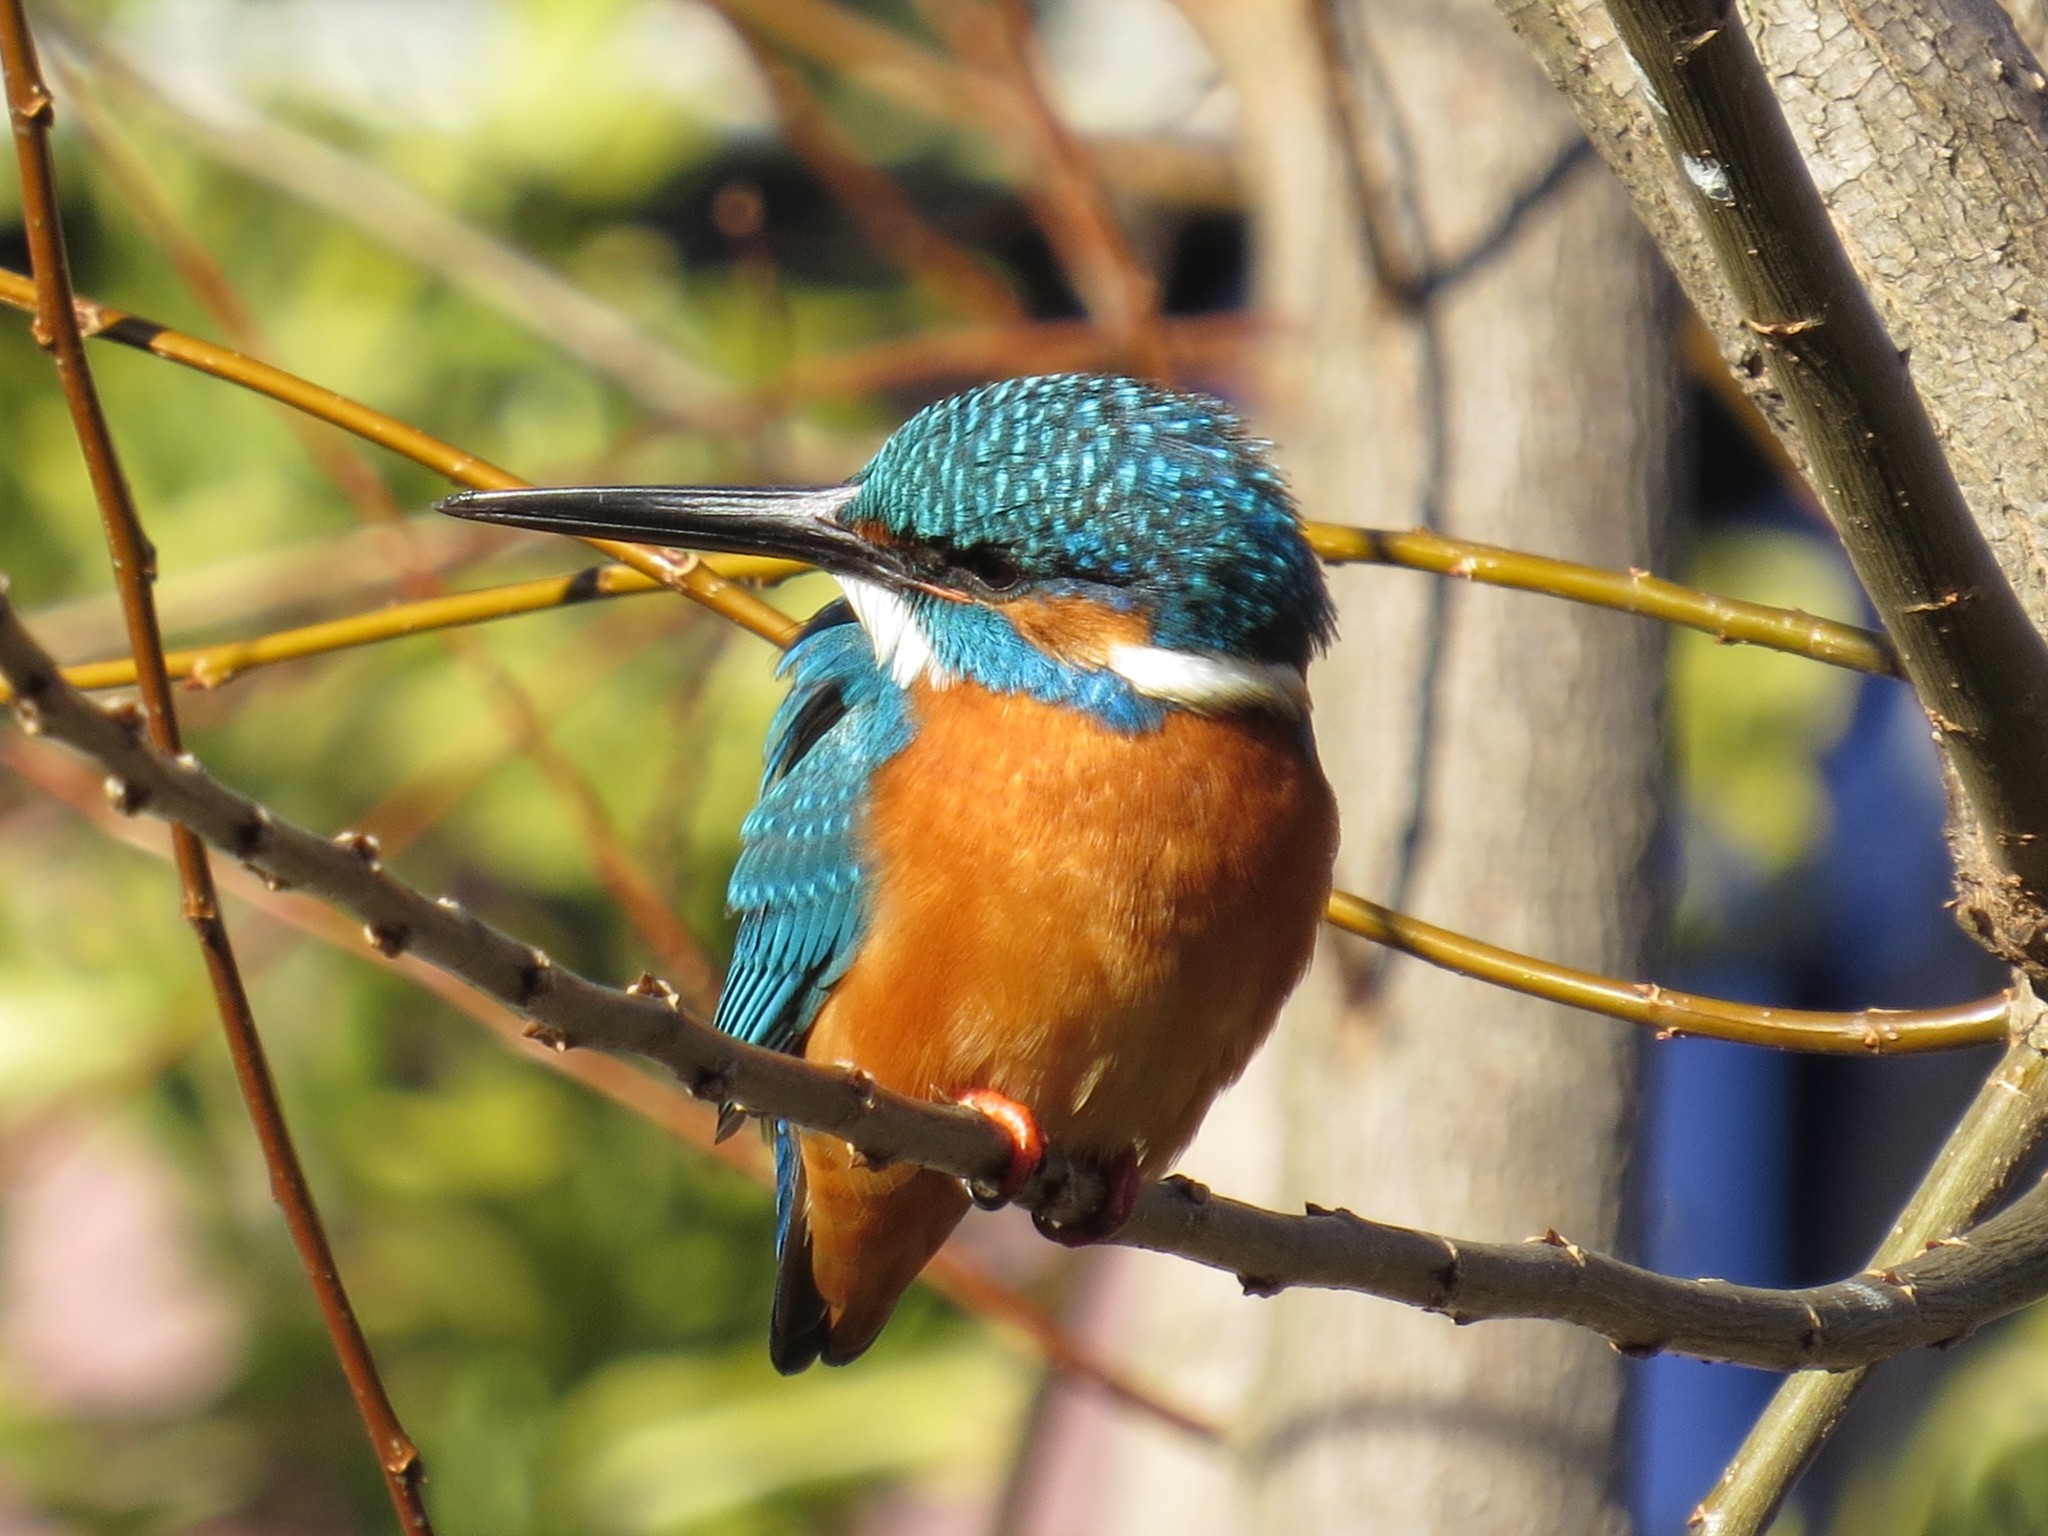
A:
689,574
1869,1032
1728,619
713,583
710,582
211,665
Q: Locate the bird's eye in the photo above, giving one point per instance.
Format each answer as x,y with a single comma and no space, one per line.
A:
990,568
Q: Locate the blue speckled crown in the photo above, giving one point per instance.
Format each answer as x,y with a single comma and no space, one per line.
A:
1088,482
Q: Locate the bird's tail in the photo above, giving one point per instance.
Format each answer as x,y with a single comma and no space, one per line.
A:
799,1326
851,1242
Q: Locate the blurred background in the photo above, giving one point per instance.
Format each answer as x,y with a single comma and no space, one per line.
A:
626,239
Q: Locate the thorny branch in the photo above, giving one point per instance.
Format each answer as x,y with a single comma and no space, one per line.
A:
1933,1299
134,561
959,1277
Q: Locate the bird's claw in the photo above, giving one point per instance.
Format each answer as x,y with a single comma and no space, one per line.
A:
1119,1199
1027,1144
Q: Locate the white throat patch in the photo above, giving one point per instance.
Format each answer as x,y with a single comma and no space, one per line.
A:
1210,685
900,643
1207,685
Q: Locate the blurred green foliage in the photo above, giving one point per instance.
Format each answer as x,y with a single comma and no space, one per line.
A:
1751,727
1977,1465
569,1306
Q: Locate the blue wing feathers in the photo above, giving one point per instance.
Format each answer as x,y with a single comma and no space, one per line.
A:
799,883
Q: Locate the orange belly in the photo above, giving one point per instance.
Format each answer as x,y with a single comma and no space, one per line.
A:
1100,926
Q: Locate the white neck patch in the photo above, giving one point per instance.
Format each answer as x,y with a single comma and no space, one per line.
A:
1210,685
1207,685
900,643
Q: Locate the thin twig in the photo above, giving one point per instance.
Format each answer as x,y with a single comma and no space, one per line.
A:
2002,1127
290,582
342,461
1978,665
1394,240
1728,619
30,108
1936,1298
1673,1015
1194,345
873,198
870,54
689,574
209,666
1060,183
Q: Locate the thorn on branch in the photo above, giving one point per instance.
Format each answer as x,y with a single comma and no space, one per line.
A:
647,984
714,1086
862,1084
541,1034
1949,599
1552,1238
1780,328
388,939
254,835
535,977
363,846
124,796
1810,1340
730,1119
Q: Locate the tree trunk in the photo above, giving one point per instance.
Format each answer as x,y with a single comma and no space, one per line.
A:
1925,126
1499,764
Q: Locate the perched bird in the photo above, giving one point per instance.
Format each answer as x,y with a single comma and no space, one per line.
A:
1042,828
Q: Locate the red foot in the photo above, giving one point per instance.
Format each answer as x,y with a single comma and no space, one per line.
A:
1027,1142
1119,1199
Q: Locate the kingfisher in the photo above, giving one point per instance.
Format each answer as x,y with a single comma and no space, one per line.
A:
1042,828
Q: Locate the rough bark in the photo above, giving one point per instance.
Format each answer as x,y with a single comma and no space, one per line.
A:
1925,126
1526,400
1926,129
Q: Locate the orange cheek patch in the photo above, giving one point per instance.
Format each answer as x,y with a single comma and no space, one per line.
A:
1074,630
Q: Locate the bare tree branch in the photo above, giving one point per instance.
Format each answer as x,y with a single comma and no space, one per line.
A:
1976,661
954,1273
2003,1125
1934,1299
1866,1032
30,110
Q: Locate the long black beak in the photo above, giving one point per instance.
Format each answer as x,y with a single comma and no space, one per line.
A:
794,522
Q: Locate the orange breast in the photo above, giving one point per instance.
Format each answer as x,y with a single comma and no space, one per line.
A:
1101,926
